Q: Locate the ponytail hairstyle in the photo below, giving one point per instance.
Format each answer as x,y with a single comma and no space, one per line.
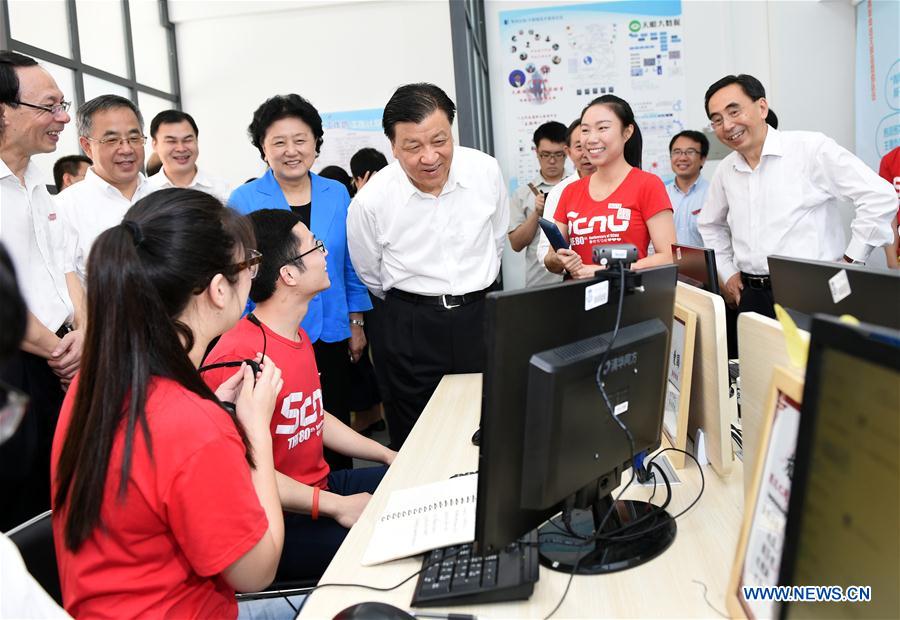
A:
635,144
141,276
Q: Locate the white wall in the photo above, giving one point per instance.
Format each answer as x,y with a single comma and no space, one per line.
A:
802,51
339,55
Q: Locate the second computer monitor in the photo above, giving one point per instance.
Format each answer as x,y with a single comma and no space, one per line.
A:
696,266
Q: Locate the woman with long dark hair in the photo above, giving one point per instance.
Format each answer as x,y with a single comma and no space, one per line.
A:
164,501
619,203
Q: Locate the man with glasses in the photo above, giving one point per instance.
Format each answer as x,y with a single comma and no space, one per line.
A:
110,131
175,140
526,205
780,193
33,115
688,150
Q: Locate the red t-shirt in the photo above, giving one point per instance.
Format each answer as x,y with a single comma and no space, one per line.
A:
188,513
620,218
299,418
890,170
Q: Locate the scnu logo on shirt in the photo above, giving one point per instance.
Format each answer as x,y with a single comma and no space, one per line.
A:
303,417
600,223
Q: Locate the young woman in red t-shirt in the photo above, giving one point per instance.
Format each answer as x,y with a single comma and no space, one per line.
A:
164,503
619,203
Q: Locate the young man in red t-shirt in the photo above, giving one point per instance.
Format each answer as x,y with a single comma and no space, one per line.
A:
320,505
889,170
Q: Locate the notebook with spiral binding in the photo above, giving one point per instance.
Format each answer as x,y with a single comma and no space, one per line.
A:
423,518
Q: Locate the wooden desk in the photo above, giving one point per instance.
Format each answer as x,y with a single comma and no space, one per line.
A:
440,445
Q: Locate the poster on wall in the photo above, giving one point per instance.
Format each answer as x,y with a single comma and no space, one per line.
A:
877,80
346,133
557,59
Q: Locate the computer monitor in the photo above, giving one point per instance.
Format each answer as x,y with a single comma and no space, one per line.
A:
525,329
696,266
805,287
844,507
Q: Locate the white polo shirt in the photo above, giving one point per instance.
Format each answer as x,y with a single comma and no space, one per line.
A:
203,182
88,208
34,235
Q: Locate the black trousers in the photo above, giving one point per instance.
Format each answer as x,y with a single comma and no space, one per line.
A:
757,300
25,457
333,360
422,343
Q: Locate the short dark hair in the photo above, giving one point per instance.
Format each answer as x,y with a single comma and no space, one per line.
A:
279,107
154,164
9,81
276,241
752,87
634,146
336,173
413,103
696,136
171,117
571,129
68,165
85,117
554,131
367,160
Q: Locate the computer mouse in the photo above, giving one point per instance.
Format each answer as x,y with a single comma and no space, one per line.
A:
476,438
373,610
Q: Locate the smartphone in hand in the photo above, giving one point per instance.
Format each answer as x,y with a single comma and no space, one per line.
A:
552,231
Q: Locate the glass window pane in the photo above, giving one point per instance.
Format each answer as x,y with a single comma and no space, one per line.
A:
42,23
94,87
151,106
101,34
151,45
68,139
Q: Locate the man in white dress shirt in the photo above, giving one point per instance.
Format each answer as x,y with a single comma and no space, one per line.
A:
33,115
426,234
175,139
779,193
110,130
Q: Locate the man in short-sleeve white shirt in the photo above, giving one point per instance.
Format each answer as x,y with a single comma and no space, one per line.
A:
175,139
110,131
426,233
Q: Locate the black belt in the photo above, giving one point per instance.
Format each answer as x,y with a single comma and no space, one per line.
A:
762,283
62,331
448,302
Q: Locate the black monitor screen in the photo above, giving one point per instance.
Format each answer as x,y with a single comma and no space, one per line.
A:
697,267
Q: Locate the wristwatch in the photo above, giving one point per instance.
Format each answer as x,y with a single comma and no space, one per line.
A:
358,322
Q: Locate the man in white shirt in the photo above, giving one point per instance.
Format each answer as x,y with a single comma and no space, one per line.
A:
426,233
175,139
526,206
583,167
110,130
779,193
33,115
687,191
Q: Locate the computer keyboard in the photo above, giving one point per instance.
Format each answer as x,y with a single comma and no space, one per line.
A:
456,576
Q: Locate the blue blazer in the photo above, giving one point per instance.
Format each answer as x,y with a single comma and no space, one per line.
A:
327,317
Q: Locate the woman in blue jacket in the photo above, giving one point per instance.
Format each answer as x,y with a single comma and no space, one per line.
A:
287,130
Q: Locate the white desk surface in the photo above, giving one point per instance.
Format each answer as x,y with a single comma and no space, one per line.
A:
440,446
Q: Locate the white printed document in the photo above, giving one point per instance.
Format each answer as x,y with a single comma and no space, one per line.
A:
423,518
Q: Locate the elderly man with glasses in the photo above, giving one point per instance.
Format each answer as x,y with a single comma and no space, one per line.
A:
33,115
110,131
526,204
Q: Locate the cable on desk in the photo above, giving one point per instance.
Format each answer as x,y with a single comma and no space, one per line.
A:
706,598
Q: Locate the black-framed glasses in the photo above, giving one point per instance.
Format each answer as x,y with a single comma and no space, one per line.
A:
688,152
551,156
133,141
254,258
62,106
320,246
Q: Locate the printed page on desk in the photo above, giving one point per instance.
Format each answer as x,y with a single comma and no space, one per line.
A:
423,518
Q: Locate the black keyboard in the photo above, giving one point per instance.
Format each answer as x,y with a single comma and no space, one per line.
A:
456,576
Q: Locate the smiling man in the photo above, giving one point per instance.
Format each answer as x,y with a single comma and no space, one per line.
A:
688,150
110,130
426,234
780,193
175,140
